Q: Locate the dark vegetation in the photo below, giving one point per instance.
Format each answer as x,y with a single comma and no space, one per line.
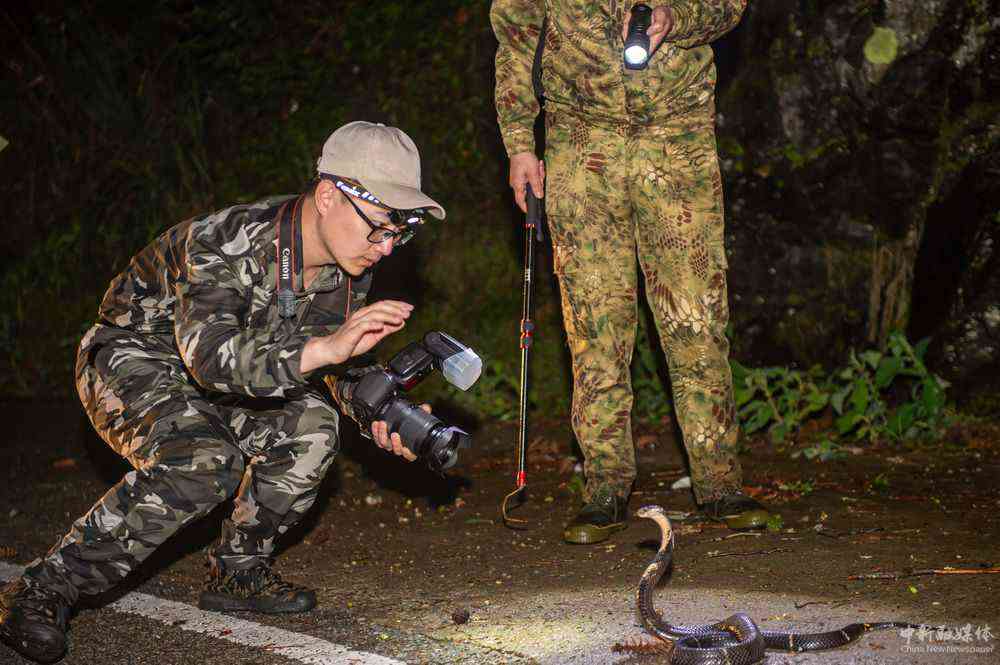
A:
861,176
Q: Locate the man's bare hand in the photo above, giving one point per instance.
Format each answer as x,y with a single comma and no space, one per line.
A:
526,168
367,327
380,433
661,25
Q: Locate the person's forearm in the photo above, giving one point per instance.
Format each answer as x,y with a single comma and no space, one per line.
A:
697,22
315,354
517,26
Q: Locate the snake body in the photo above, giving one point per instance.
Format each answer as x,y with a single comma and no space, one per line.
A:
735,640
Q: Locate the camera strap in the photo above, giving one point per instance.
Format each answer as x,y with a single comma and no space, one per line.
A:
289,255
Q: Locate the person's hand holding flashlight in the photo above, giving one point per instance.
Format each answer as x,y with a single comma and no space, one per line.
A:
661,25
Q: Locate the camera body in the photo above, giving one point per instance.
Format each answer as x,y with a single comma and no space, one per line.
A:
376,395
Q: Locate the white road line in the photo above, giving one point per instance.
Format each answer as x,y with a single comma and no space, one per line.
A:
303,648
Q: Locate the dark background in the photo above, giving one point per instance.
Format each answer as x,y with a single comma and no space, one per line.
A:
859,146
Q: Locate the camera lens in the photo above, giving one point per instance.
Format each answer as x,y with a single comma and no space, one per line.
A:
444,442
426,435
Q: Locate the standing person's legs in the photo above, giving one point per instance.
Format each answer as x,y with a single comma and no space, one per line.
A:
594,247
677,196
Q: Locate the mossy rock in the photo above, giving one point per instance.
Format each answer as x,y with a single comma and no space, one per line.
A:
882,46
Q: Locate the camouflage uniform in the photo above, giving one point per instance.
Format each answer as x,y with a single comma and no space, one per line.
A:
191,375
632,171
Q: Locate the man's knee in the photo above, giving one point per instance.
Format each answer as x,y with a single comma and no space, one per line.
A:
207,470
316,426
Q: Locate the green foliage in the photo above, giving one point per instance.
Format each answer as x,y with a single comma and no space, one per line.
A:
775,522
803,487
860,400
824,451
864,397
879,484
882,46
776,397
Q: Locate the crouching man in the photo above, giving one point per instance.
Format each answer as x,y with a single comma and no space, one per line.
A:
204,371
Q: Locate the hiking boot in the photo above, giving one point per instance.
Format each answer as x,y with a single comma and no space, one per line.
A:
258,589
603,515
738,511
33,620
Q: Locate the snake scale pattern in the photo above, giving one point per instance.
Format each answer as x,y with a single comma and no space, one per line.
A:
733,641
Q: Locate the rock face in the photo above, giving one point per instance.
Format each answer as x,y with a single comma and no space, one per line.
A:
853,135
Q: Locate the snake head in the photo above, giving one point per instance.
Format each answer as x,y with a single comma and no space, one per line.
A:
650,511
658,515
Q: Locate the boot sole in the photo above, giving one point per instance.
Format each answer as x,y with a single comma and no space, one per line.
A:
41,651
218,602
749,521
591,534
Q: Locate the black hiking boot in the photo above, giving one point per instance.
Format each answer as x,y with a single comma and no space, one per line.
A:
738,511
603,515
33,620
258,589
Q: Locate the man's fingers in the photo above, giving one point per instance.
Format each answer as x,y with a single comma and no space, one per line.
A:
400,449
397,307
520,197
537,185
382,316
379,434
662,24
426,407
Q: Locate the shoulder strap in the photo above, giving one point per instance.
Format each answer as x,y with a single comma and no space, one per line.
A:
536,69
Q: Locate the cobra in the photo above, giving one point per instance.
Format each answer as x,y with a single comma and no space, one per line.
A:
735,640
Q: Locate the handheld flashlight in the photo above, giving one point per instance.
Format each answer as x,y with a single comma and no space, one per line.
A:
636,39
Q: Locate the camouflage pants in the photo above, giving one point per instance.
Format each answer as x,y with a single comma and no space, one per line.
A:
190,453
618,194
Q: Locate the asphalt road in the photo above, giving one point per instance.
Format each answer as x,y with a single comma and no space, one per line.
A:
394,561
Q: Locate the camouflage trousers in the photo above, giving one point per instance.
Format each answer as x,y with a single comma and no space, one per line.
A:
616,195
189,453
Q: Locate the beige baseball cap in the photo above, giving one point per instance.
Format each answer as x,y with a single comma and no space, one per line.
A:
383,159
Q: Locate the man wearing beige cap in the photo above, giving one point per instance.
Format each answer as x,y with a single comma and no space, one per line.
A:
205,370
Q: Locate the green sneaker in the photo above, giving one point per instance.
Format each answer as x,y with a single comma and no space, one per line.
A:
259,589
603,515
738,511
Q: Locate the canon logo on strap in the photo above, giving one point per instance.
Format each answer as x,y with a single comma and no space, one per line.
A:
286,262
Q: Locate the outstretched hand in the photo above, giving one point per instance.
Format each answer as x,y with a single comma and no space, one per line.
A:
366,328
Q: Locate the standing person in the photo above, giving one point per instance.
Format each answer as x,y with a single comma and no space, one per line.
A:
205,370
632,172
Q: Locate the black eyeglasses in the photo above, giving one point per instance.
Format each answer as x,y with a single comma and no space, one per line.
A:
408,219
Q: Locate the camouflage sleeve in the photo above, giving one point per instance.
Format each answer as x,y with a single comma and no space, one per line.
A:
219,351
698,22
517,25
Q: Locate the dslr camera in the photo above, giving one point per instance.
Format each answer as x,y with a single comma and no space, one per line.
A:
375,395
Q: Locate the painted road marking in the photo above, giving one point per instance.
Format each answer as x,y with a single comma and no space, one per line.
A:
303,648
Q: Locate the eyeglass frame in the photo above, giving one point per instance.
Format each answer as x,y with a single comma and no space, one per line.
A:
405,218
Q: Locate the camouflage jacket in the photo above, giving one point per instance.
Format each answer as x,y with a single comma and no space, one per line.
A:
210,282
582,68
